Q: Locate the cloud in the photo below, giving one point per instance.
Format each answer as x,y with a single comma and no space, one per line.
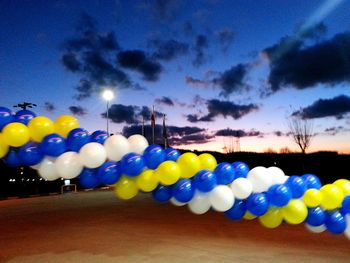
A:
92,55
176,135
295,64
77,110
336,107
232,80
196,82
238,133
165,10
138,61
50,107
145,112
223,108
335,130
188,28
164,101
278,133
130,114
201,43
225,37
169,49
70,61
85,89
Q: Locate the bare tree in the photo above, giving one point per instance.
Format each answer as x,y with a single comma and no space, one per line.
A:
301,131
285,150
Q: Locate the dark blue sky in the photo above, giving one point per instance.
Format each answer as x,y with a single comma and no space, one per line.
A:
209,65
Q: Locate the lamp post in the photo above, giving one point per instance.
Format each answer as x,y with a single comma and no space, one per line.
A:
107,95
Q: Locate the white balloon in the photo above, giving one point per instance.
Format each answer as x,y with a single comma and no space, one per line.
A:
68,165
138,143
35,167
260,179
175,202
276,175
200,203
315,229
347,229
116,147
221,198
47,169
92,155
241,188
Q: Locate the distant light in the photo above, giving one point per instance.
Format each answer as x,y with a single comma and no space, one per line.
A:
33,180
61,179
108,95
66,182
27,180
21,172
13,180
41,179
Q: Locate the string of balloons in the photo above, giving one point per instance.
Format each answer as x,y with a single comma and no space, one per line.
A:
61,149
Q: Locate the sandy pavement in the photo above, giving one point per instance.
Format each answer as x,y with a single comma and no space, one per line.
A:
97,227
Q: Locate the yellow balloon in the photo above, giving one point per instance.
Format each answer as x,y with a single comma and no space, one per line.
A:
249,216
15,134
272,219
312,197
189,164
4,148
168,172
64,124
147,181
344,185
295,212
125,188
208,161
332,196
39,127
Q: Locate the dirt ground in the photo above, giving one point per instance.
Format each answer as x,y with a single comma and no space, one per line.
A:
97,227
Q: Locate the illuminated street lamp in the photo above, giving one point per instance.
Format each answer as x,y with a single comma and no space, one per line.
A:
107,95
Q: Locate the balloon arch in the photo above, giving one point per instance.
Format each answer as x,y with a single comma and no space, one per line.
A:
61,149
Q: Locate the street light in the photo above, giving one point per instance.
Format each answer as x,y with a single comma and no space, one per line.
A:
107,95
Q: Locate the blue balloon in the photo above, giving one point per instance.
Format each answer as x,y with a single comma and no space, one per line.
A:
183,190
241,169
30,154
88,178
172,154
132,164
77,138
12,159
53,145
99,136
257,204
205,180
316,216
345,208
237,211
24,116
153,155
162,193
109,172
6,117
312,181
297,185
225,173
279,195
335,222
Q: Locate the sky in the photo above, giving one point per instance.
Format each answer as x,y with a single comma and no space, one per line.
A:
217,69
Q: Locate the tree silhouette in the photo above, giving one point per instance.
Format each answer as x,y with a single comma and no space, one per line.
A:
301,131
